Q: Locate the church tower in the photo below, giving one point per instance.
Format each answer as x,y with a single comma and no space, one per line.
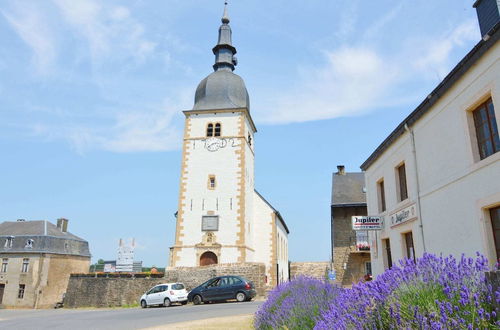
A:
214,218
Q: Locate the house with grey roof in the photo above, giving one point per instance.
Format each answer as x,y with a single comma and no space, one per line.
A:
350,249
436,177
37,258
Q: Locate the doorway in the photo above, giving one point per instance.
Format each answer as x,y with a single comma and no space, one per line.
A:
208,258
2,289
410,249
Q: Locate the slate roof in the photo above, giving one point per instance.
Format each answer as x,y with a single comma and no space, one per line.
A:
275,211
458,71
347,189
47,238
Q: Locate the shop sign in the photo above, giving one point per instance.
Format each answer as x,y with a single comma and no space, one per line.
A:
367,223
404,215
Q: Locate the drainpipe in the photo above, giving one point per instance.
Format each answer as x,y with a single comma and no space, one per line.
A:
414,152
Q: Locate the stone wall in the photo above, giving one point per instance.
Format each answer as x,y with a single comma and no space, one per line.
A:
111,292
349,264
313,269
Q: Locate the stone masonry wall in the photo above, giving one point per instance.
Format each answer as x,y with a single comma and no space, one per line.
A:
111,292
348,263
313,269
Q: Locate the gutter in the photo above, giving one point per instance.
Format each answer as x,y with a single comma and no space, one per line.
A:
414,152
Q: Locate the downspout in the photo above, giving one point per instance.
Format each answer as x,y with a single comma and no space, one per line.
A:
39,280
332,239
414,152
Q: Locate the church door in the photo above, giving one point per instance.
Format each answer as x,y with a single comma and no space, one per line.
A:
208,258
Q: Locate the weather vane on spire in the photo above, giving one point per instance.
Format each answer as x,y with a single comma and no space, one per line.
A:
225,17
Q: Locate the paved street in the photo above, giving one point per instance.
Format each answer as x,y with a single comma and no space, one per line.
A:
126,318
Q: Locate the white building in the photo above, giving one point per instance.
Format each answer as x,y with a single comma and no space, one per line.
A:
221,218
125,259
436,177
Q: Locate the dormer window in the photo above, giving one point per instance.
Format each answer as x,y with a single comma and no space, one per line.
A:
29,244
210,130
9,241
213,129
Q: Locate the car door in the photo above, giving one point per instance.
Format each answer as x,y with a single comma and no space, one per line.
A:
212,290
151,296
225,289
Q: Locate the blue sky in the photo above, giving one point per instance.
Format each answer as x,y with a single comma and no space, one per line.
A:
91,94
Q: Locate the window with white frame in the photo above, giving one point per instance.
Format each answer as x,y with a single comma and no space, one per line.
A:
26,263
5,262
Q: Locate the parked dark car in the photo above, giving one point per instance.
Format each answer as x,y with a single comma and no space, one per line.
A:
223,288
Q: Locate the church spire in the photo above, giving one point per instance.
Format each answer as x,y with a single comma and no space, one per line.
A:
224,50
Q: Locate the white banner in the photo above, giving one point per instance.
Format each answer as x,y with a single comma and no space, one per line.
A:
367,223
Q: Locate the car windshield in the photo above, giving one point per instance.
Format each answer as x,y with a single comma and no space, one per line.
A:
178,286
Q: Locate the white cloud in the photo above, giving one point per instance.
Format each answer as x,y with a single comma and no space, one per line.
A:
358,79
109,30
436,55
352,81
28,22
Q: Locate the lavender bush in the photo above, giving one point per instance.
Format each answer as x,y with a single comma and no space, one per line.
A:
431,293
296,304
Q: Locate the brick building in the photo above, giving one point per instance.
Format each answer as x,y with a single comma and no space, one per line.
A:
37,258
350,249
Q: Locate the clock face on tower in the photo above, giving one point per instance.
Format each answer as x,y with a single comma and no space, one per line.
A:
214,144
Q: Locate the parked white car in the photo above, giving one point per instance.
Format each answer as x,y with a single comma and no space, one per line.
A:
164,294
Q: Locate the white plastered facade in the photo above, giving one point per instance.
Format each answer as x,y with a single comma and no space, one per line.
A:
246,225
455,187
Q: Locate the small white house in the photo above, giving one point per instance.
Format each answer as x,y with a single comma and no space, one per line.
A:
436,178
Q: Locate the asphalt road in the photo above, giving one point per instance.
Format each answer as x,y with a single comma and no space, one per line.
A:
123,318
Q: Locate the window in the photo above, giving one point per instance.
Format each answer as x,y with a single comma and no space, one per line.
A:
29,244
210,130
26,262
362,240
485,123
20,294
9,241
401,175
214,129
387,250
495,223
410,250
5,262
211,182
381,196
368,268
249,139
210,223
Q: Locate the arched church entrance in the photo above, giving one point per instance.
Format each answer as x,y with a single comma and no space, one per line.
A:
208,258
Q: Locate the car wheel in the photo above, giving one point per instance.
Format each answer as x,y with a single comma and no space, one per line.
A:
166,302
197,299
184,302
240,297
144,304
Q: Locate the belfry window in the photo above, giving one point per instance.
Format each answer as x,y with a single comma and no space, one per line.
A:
210,130
213,129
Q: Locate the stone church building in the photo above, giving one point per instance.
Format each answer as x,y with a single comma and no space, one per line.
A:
221,218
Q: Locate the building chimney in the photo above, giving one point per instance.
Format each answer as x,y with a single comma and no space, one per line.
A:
62,224
341,169
488,15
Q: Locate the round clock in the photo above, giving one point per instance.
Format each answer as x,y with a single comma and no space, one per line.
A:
213,144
